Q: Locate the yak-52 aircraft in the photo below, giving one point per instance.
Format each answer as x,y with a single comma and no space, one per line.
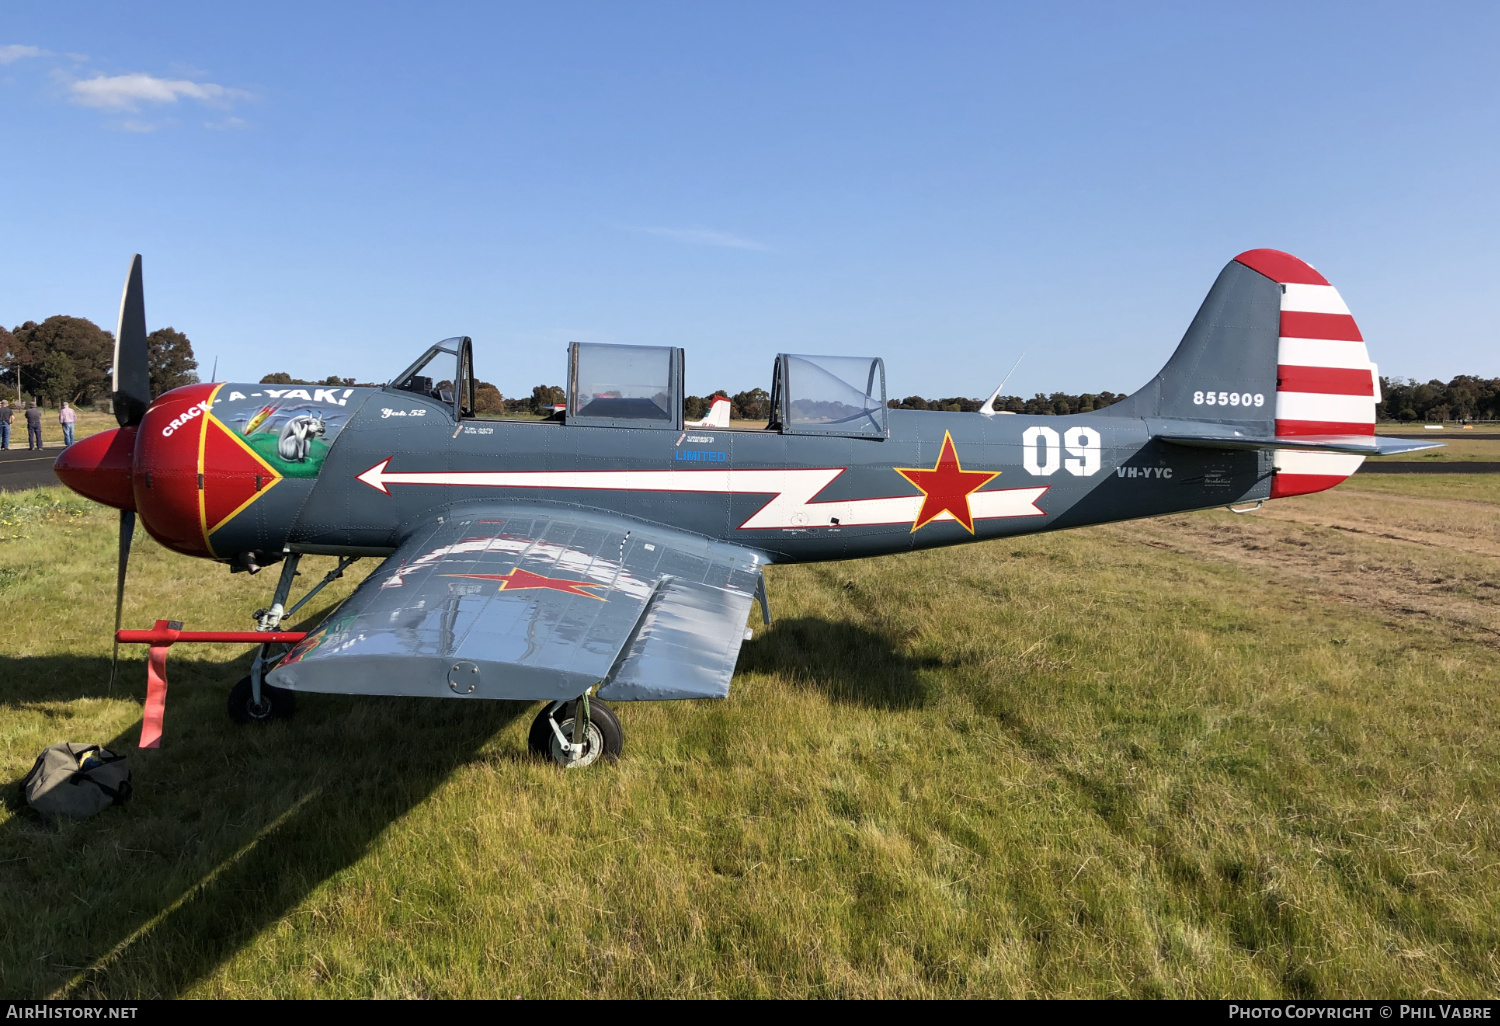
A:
613,551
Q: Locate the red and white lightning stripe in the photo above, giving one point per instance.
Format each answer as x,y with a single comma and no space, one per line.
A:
790,493
1325,382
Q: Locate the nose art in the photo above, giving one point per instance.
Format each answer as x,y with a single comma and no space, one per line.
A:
99,467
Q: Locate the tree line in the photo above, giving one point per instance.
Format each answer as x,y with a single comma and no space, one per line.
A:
1059,404
488,402
751,404
1466,397
69,359
755,404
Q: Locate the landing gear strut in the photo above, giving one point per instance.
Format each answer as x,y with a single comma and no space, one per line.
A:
252,700
576,734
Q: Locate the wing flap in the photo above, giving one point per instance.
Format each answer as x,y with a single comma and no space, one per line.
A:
684,646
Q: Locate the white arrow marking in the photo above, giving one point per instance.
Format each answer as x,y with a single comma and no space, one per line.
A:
791,492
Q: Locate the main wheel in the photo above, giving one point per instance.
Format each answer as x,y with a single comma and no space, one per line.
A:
275,703
602,738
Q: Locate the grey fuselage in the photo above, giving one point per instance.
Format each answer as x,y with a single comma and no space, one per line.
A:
361,500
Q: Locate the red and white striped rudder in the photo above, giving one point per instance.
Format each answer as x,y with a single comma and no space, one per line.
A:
1325,382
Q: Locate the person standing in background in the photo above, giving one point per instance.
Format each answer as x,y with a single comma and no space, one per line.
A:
67,417
33,426
6,416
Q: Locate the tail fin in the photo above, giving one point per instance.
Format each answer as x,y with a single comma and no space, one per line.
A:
1273,359
718,415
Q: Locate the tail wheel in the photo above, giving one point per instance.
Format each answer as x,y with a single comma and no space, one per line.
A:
275,703
603,737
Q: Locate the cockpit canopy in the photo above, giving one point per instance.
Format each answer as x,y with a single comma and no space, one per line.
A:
625,386
445,373
829,395
642,387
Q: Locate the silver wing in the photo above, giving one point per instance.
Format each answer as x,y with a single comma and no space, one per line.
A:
526,602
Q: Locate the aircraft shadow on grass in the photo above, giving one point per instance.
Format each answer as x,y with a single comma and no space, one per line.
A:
847,663
229,829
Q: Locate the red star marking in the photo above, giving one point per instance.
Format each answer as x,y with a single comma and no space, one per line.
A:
946,487
521,580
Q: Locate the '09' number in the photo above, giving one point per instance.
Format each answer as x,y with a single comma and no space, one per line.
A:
1228,399
1041,455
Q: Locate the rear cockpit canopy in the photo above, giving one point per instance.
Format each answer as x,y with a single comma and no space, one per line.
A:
829,395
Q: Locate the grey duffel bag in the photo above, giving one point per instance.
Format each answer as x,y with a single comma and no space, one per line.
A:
74,781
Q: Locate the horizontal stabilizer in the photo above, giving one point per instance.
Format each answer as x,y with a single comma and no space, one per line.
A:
1214,436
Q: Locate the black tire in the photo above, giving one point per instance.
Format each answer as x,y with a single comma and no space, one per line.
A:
276,703
605,738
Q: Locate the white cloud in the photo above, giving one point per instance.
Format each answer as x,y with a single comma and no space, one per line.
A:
15,52
704,237
128,92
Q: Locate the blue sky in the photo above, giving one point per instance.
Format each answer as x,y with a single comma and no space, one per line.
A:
327,188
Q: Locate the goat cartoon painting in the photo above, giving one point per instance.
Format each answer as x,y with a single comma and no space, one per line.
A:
297,435
292,438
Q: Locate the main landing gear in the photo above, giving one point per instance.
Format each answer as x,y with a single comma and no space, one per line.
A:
576,734
274,703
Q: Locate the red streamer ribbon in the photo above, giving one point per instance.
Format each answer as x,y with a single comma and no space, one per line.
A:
161,638
156,685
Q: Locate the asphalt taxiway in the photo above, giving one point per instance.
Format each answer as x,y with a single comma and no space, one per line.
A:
25,468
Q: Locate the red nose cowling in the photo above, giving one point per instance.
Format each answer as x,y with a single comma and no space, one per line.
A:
155,469
99,467
169,469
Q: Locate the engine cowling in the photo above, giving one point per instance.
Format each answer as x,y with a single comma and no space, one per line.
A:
171,476
183,471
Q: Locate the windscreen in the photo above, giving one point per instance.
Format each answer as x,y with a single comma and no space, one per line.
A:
434,372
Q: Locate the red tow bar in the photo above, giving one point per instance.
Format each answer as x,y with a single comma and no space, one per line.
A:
161,638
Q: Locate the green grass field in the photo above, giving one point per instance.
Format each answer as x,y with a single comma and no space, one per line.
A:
89,422
1203,755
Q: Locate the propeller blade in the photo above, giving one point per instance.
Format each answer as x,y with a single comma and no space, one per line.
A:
127,531
131,379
